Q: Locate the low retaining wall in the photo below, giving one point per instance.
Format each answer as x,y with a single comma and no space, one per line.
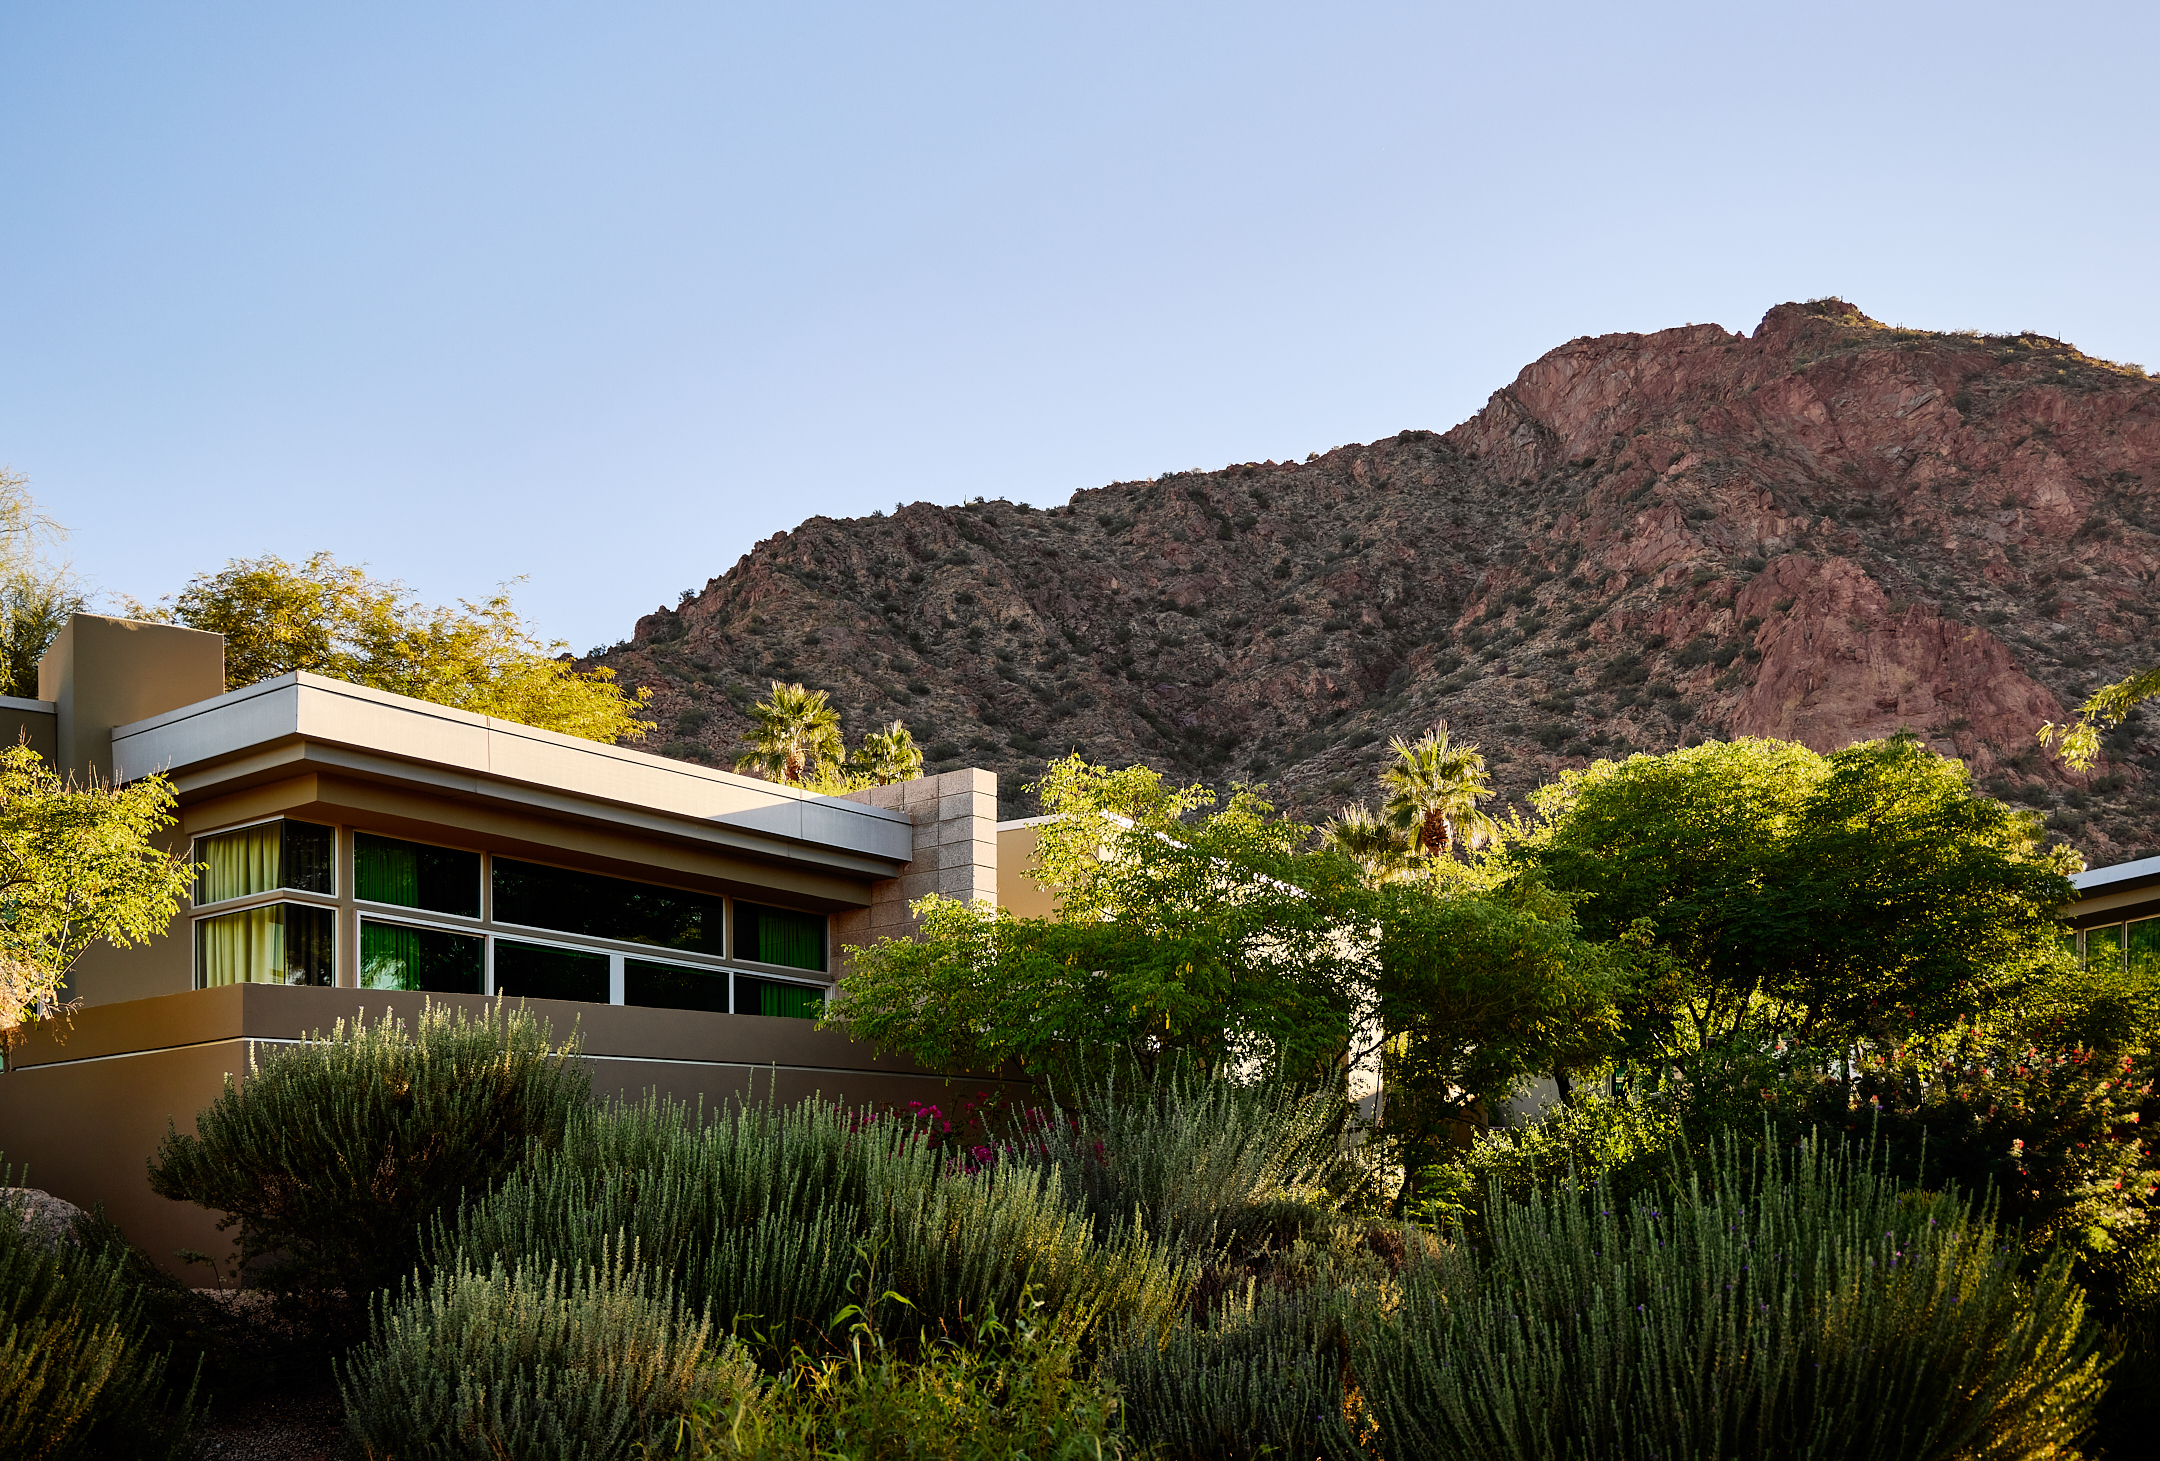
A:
86,1099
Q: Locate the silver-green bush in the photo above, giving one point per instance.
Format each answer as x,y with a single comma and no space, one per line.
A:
1774,1304
335,1153
1200,1163
777,1219
80,1375
533,1362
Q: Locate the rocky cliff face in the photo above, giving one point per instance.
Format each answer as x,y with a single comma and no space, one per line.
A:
1827,530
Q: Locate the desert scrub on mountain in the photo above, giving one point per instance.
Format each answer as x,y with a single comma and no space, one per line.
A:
336,1153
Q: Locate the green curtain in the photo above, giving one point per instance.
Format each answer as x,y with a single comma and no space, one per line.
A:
236,864
247,947
386,871
389,956
795,940
790,1001
2104,947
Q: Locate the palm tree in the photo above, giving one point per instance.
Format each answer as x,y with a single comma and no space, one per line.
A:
887,756
793,734
1434,790
1379,850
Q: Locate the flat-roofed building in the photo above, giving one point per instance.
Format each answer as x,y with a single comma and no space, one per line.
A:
2115,921
359,851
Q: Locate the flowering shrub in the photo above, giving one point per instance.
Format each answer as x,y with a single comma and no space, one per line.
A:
2056,1136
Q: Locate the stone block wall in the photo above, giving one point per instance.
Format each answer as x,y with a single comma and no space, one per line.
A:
955,817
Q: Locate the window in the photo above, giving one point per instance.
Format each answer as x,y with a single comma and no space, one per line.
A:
414,875
2143,944
264,858
671,986
278,943
779,936
399,956
2104,947
778,997
602,907
544,971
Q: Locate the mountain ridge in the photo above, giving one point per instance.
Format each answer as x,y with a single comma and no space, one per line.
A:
1827,530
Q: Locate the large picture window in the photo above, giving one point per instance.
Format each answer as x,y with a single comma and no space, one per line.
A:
415,875
567,901
2104,947
673,987
278,943
778,997
265,858
544,971
400,956
779,936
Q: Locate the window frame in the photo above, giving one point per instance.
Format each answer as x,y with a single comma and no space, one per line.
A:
362,918
793,971
723,902
235,907
282,894
406,912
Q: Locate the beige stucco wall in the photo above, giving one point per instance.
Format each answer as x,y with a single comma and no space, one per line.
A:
32,722
102,672
1018,892
85,1101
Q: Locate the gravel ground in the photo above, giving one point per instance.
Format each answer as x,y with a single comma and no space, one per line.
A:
300,1427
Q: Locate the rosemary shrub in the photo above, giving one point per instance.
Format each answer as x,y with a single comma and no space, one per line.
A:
1773,1303
79,1376
1199,1163
334,1154
533,1361
760,1215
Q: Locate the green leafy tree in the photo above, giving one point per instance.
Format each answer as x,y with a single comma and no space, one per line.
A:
1433,792
78,866
331,619
36,594
1207,941
1479,993
794,737
886,756
1819,898
2079,742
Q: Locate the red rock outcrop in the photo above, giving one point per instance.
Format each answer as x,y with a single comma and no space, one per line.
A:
1827,530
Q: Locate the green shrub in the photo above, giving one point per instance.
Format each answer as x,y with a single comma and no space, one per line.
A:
1627,1144
1267,1375
80,1374
763,1216
1777,1303
335,1153
1199,1163
997,1395
528,1363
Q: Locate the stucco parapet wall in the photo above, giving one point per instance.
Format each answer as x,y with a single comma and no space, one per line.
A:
279,1014
279,721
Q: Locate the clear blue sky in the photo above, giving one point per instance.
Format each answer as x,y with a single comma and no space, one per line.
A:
603,294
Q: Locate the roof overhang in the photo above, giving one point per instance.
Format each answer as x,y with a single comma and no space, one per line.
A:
299,723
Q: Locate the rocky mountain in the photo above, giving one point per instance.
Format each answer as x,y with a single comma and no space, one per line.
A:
1827,530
